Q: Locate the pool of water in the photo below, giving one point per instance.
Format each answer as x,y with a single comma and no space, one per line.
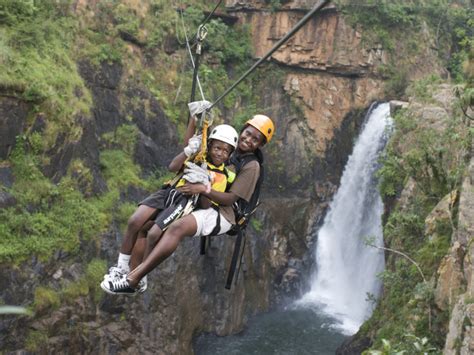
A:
291,331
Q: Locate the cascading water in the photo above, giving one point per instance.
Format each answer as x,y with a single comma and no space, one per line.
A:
347,267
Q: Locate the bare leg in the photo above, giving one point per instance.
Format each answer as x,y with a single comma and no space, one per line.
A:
168,243
152,240
135,223
138,250
140,247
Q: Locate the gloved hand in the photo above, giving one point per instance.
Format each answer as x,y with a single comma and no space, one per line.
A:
197,108
194,144
197,175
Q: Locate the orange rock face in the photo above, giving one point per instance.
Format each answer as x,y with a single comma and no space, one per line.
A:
328,70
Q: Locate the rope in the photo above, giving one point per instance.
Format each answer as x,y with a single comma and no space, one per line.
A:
300,24
190,53
199,158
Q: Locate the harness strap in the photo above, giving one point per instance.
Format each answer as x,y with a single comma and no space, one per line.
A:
215,231
235,257
217,228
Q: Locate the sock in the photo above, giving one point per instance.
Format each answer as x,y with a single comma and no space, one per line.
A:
123,262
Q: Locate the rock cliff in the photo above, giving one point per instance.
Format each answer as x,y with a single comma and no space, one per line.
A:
454,288
328,77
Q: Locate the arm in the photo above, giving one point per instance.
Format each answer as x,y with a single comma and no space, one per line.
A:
178,161
204,202
190,129
222,198
243,187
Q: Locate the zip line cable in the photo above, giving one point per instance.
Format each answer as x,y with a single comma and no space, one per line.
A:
210,15
190,53
300,24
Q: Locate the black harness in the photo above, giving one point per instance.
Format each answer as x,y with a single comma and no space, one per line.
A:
243,211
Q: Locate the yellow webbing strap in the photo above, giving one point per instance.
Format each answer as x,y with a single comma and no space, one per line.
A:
198,158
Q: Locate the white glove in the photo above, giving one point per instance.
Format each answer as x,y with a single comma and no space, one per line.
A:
196,175
194,144
196,108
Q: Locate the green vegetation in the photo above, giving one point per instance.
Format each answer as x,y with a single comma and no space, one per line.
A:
34,38
42,44
38,36
36,340
47,216
256,224
46,299
412,345
402,27
88,284
223,47
428,157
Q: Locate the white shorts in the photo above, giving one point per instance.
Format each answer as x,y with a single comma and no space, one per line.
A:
206,221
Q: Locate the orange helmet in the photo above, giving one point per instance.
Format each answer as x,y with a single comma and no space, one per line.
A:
264,124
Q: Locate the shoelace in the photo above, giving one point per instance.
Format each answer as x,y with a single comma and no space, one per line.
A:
119,284
115,272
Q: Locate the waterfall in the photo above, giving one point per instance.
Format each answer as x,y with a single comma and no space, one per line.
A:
347,267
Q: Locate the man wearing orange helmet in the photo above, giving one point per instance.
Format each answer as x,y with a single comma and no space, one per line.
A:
247,158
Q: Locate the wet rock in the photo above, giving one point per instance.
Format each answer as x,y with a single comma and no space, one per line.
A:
354,345
40,123
157,141
6,199
13,114
6,176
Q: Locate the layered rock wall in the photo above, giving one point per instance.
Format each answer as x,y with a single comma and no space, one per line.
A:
329,70
455,287
328,79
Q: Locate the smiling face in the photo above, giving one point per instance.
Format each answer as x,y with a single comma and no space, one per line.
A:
219,152
250,139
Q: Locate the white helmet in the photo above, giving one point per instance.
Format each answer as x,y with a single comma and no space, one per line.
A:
226,134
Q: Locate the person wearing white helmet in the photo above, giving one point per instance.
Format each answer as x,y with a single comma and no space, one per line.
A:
168,204
247,162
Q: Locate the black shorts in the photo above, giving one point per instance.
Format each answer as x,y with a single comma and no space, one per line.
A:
176,204
157,199
171,204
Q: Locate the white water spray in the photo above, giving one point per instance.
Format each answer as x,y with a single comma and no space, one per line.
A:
346,267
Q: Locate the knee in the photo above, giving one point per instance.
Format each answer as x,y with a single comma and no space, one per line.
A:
134,223
154,232
178,229
151,239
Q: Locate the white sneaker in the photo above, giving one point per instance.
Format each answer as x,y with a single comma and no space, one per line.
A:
142,285
115,272
118,287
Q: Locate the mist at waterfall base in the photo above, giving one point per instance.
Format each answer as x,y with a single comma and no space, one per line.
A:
346,267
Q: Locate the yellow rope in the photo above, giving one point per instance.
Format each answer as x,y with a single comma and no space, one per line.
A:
200,157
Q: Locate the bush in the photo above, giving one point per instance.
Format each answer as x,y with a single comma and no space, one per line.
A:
45,299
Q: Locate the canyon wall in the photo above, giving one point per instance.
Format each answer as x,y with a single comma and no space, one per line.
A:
328,79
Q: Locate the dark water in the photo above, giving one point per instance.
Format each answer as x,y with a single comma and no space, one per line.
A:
293,331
